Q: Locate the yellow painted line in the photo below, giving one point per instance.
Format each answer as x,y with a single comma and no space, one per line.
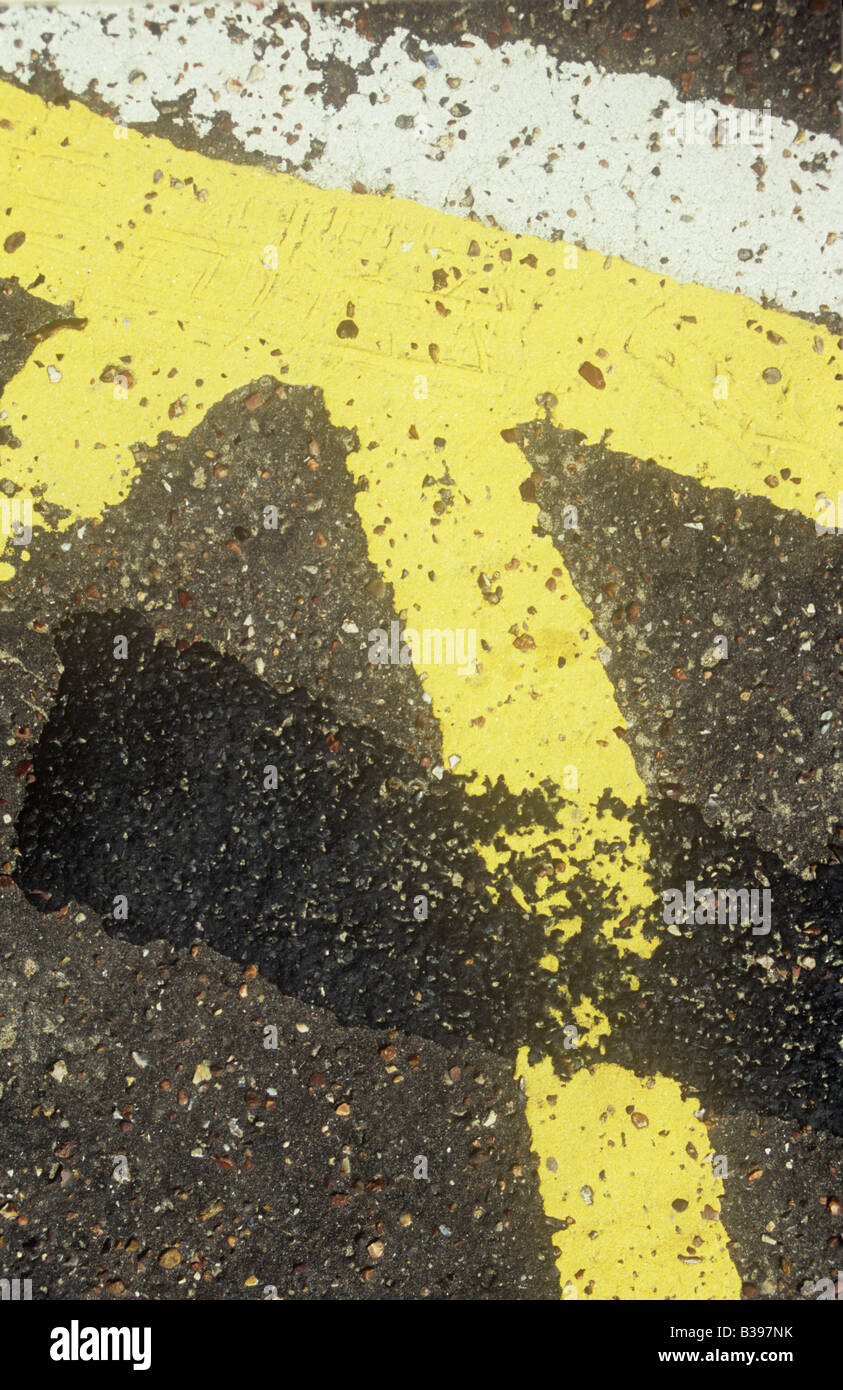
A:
430,336
193,276
616,1153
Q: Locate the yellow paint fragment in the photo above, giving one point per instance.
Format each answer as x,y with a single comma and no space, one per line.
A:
592,1020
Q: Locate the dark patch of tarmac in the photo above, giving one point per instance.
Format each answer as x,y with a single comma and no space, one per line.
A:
745,1020
717,1007
180,796
148,801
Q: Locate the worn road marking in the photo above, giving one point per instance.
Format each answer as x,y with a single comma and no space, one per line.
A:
616,1153
431,337
540,146
183,283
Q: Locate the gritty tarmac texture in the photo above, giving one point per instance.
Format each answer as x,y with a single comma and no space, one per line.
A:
747,1021
731,53
301,596
722,621
287,453
227,585
749,744
778,1203
152,1145
150,790
25,322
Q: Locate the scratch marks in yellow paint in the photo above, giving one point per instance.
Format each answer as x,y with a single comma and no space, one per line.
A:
190,265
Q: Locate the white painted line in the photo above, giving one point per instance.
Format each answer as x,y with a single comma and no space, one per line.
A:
553,149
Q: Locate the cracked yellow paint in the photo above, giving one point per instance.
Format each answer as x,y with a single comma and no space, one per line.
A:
616,1153
429,335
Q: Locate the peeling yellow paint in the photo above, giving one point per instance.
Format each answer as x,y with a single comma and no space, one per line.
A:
593,1020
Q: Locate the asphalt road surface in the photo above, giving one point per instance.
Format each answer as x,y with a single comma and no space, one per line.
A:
420,652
